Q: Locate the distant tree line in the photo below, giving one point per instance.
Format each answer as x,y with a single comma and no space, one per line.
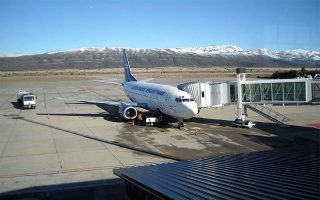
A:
294,73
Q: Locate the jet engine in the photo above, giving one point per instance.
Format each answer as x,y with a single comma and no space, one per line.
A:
127,111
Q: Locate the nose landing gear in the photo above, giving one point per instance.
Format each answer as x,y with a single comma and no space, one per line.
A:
180,124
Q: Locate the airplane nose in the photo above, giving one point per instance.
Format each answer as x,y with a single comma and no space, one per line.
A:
195,109
192,110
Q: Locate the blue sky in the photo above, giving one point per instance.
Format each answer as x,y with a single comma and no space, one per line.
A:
38,26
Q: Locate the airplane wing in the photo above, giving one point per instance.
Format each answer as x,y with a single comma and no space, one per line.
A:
113,103
109,82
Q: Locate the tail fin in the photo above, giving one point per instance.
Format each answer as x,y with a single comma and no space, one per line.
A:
127,70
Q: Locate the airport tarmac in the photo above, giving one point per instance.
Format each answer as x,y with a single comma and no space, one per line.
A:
47,147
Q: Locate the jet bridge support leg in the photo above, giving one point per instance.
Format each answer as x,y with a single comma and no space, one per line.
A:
241,113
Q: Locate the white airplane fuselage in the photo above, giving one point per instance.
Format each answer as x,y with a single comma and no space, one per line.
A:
164,98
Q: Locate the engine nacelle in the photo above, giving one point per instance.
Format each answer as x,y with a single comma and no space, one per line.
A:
127,111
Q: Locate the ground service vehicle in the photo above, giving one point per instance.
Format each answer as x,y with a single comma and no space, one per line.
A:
26,99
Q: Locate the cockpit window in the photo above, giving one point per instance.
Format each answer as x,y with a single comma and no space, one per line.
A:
178,100
181,99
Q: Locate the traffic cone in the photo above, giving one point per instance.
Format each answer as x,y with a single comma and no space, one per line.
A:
196,132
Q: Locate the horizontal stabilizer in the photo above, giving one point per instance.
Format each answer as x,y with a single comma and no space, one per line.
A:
109,82
91,101
146,80
113,103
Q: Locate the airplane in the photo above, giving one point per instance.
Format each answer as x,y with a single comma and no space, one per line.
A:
164,99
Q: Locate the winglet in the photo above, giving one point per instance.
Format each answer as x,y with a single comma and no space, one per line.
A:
127,69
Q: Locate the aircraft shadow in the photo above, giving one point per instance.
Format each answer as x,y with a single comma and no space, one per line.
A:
111,113
113,189
108,108
114,117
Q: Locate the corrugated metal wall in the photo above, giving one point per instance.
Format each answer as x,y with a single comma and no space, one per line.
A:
276,174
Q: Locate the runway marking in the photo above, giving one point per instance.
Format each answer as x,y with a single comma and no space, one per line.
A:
14,125
45,103
315,125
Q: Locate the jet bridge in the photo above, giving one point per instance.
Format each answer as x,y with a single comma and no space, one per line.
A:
315,87
285,91
276,91
258,92
208,94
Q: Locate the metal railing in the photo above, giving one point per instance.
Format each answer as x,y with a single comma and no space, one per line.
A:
269,113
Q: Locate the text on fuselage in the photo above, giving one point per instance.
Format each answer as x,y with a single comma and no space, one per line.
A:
148,90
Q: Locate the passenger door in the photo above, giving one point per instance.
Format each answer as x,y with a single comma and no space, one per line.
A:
203,95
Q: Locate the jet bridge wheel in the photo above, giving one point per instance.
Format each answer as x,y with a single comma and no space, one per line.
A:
249,124
243,123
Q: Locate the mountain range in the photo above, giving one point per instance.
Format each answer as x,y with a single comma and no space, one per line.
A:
211,56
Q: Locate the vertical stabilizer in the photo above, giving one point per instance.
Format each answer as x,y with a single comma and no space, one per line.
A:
127,70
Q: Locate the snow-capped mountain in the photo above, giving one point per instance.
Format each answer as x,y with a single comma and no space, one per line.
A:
227,50
224,50
225,56
212,50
